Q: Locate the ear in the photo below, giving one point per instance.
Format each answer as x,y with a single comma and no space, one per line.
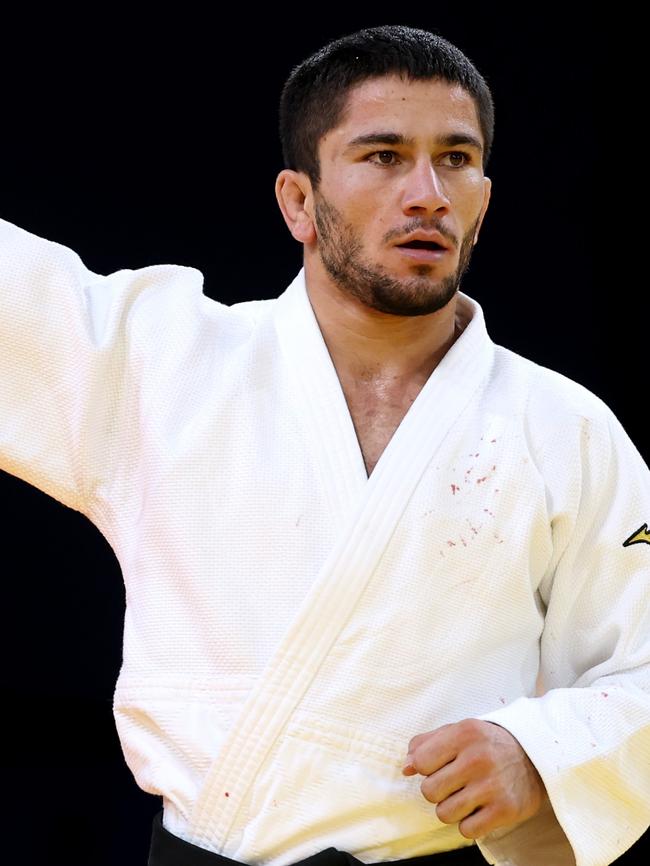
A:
295,198
487,190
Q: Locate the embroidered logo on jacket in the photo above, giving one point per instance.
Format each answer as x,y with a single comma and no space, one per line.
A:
641,536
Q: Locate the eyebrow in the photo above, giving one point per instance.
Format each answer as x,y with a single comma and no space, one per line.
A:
449,140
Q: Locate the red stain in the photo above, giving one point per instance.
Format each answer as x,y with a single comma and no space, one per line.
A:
476,455
493,468
467,471
481,480
451,543
463,540
493,440
489,512
503,700
227,794
604,694
474,530
454,488
497,490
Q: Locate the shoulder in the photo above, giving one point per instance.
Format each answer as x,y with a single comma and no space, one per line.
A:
543,389
557,414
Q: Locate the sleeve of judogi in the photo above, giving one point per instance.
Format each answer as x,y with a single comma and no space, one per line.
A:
69,362
589,734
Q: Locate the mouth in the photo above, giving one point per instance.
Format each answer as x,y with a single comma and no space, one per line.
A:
424,250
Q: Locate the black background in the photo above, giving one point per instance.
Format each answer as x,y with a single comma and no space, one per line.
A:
156,142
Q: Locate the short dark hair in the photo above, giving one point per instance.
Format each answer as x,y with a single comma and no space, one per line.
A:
315,94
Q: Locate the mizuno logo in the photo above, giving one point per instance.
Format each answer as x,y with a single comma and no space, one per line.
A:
641,536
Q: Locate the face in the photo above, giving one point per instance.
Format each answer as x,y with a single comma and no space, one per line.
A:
372,195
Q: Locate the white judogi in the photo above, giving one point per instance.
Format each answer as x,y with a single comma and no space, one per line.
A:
291,623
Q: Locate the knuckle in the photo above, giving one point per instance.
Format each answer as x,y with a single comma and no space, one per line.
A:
483,761
472,732
475,763
467,728
414,742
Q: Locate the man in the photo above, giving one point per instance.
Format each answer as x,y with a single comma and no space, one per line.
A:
356,535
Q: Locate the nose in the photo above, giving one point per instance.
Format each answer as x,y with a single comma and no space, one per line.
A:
425,191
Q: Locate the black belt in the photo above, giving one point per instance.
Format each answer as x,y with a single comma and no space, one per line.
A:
168,850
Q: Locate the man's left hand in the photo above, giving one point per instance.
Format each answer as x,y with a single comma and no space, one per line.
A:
478,774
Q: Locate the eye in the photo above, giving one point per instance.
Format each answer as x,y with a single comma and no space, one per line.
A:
462,153
381,153
387,163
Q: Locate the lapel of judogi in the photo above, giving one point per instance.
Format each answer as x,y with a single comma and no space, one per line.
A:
366,511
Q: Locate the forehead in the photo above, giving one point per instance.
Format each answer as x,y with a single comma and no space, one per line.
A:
418,109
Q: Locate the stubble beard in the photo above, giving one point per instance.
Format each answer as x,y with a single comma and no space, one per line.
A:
340,251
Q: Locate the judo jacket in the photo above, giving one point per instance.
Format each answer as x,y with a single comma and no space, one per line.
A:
292,623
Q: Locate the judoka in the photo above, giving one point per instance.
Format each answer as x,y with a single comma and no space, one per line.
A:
303,493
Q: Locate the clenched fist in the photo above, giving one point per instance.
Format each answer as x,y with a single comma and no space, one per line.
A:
478,774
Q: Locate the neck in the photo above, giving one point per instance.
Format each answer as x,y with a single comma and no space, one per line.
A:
371,349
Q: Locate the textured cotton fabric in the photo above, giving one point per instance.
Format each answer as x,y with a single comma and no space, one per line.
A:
291,623
168,850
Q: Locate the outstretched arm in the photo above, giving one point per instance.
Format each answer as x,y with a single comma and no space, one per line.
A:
72,346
